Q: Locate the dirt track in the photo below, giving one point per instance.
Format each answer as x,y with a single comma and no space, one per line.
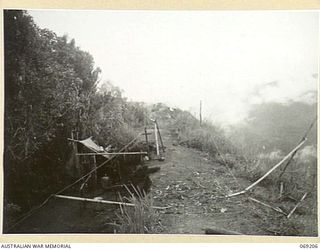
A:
193,184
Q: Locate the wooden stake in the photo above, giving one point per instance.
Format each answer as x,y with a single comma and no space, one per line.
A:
270,171
296,206
102,201
156,138
146,134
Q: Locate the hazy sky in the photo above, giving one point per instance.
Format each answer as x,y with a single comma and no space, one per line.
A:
229,60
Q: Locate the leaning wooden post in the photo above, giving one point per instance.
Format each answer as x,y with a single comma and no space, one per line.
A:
156,138
146,134
160,136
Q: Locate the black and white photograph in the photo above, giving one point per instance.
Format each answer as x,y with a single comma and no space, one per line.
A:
162,122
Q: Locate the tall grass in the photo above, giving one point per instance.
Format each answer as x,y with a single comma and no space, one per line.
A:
205,137
142,218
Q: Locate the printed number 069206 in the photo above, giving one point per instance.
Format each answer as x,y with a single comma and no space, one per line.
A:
310,246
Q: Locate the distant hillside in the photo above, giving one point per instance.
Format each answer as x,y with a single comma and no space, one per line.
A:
273,126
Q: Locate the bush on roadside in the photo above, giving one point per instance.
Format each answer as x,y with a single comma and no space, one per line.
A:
142,217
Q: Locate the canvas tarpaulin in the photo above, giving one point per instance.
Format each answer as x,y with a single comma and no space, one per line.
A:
89,143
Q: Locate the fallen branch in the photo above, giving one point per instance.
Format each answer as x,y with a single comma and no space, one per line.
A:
101,201
270,171
277,209
296,206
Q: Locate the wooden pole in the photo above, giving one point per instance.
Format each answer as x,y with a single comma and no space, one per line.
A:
156,138
270,171
146,134
296,206
160,136
101,201
121,153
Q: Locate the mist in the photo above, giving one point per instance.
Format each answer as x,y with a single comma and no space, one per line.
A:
231,60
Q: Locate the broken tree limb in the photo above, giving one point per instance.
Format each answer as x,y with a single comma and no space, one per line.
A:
101,201
296,206
277,209
270,171
221,231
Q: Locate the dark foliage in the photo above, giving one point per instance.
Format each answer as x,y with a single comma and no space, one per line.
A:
50,90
